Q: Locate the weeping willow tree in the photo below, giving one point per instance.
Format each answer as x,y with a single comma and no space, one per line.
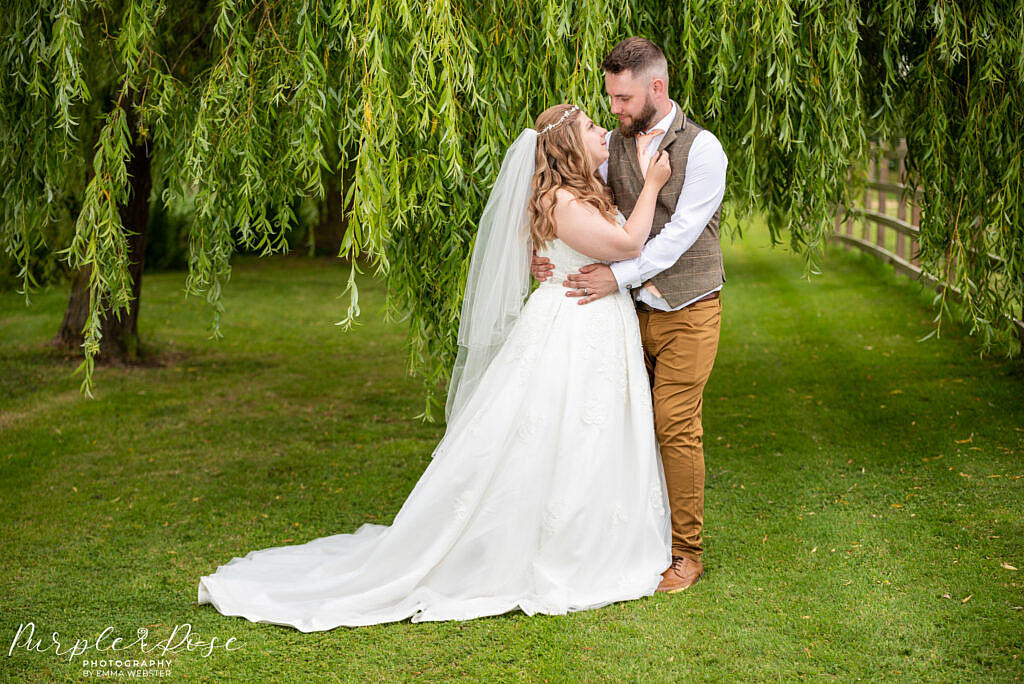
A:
238,104
949,77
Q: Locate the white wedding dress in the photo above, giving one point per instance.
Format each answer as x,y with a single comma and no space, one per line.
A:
546,494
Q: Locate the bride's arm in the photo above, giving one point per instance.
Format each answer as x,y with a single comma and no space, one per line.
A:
581,226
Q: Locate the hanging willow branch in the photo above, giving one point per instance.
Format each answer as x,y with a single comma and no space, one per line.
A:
241,99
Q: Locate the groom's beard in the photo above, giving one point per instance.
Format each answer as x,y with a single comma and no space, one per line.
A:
642,122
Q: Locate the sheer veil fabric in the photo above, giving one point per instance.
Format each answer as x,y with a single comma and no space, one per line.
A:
546,492
499,272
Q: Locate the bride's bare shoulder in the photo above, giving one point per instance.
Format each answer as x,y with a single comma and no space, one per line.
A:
566,202
564,196
559,197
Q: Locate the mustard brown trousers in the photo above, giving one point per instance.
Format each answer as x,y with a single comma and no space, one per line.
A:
679,351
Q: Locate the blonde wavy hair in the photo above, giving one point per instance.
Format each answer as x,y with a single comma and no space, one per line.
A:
562,162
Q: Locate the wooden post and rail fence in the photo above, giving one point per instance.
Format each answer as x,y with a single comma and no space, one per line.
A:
894,238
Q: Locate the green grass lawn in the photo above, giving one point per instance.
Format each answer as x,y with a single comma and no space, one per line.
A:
864,489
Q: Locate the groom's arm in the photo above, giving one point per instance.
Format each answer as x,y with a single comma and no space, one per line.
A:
702,193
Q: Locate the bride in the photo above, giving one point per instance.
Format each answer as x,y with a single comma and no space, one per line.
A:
546,492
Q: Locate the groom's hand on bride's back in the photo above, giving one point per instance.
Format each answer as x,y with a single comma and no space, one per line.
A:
590,283
541,267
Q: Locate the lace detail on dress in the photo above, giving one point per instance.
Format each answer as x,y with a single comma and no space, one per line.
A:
553,515
460,507
596,328
618,515
595,411
530,426
657,499
526,347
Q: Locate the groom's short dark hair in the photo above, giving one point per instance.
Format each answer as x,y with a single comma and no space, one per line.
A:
640,56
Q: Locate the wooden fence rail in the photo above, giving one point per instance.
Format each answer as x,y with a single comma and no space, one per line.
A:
895,238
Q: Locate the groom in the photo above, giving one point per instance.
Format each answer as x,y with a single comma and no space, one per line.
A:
676,280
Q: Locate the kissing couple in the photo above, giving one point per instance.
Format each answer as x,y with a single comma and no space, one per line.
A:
571,472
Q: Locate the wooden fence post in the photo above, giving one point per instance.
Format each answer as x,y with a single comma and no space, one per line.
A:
849,218
881,176
840,223
915,218
901,207
867,193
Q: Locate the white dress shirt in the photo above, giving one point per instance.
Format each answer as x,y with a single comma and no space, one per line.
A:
702,193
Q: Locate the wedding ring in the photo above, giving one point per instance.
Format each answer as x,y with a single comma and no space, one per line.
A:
586,292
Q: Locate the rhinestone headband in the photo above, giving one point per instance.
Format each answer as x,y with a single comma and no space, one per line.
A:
565,116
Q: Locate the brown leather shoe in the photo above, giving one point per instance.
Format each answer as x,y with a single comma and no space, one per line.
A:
683,573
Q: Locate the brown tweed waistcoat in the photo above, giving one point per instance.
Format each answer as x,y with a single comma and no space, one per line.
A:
700,268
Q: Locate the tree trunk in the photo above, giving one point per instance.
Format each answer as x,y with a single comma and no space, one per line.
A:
330,230
120,341
328,234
